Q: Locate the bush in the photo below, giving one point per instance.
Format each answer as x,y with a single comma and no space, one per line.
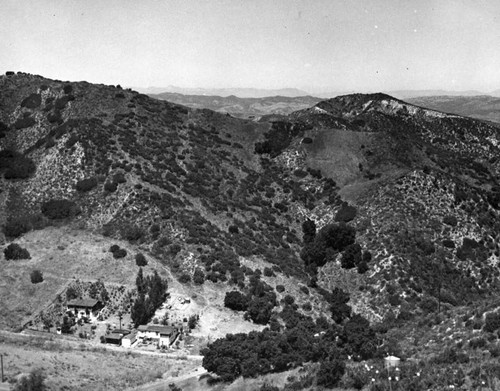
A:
140,260
120,253
289,300
86,184
36,276
24,122
17,166
132,233
185,278
198,276
236,301
59,209
110,186
33,382
15,227
330,372
280,288
351,256
32,101
346,213
68,89
15,252
492,322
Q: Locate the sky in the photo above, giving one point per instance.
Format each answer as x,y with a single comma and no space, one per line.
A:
314,45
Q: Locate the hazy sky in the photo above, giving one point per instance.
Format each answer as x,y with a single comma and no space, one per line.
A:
316,45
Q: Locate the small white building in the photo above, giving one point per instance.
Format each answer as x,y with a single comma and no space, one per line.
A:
129,340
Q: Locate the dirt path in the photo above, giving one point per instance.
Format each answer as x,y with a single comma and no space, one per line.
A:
163,384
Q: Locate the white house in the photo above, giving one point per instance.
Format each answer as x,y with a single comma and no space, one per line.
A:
88,308
164,334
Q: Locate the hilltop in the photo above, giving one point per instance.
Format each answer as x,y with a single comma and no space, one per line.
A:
361,202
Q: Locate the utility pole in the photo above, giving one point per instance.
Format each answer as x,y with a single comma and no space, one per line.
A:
1,361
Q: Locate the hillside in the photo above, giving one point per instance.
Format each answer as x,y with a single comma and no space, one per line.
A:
361,202
241,107
482,107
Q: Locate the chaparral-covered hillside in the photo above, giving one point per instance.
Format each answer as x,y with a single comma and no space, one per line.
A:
324,239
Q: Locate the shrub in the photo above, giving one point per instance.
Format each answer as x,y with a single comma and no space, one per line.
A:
120,253
59,209
233,229
330,372
68,89
17,165
346,213
86,184
36,276
15,252
268,272
184,278
110,186
32,101
280,288
351,256
140,259
35,381
114,248
492,322
24,122
289,300
132,233
236,301
15,227
198,276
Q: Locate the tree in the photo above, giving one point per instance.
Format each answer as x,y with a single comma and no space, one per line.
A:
338,300
67,324
309,230
140,260
15,252
193,321
351,256
139,312
36,276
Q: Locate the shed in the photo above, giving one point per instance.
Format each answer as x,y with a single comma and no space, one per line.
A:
113,338
392,361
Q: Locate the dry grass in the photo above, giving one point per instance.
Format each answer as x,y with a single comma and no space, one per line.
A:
86,368
62,254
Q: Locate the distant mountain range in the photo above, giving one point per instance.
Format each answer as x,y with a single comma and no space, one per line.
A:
224,92
241,107
482,107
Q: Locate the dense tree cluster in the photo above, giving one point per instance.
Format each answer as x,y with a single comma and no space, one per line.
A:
86,184
151,291
258,302
59,209
277,349
321,247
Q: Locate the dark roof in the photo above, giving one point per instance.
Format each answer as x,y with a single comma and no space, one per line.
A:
87,303
130,336
114,337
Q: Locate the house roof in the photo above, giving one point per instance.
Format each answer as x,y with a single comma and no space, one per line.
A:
164,330
130,336
114,337
86,303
